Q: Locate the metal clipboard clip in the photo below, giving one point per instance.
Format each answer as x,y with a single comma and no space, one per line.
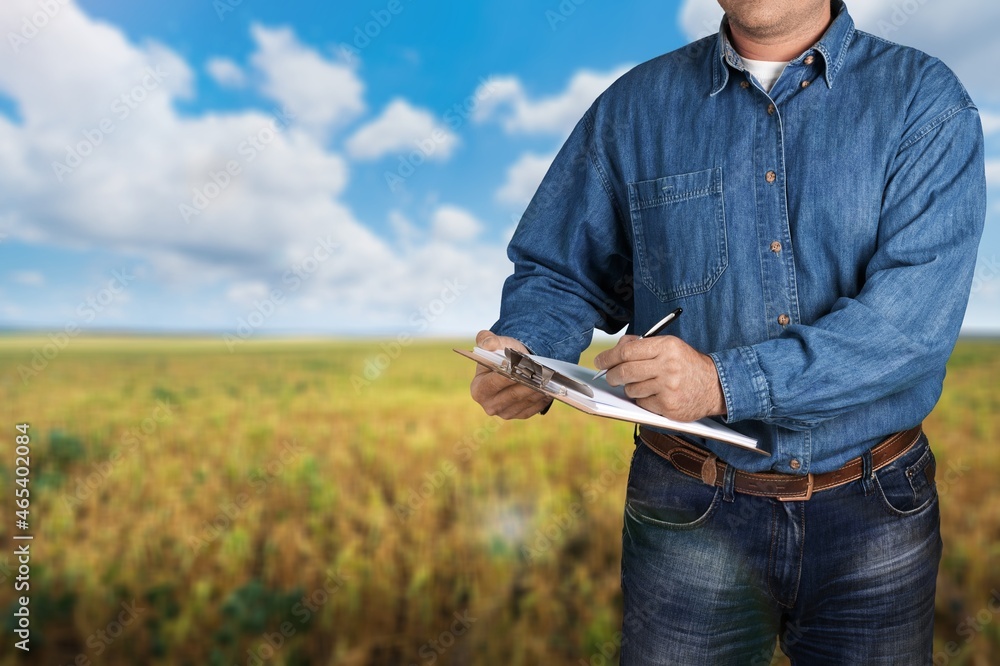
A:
532,373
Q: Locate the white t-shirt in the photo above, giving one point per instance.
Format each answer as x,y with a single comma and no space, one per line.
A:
765,71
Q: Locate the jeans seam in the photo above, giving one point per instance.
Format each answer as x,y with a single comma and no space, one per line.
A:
802,546
770,558
698,522
896,513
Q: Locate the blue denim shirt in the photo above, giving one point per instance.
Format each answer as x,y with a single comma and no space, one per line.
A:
821,238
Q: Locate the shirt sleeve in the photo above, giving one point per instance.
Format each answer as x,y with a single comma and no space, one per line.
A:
571,254
902,326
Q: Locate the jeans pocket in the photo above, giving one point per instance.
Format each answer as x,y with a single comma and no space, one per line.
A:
679,227
660,495
906,486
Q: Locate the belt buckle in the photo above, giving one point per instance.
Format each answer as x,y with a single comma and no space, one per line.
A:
802,498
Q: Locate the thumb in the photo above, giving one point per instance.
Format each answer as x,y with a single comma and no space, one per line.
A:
488,340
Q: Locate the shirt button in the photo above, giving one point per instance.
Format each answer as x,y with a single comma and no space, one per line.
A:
805,84
809,60
783,319
744,84
770,109
794,463
770,176
776,246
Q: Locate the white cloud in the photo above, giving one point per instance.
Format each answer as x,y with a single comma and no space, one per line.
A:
993,172
451,223
523,178
28,278
960,32
403,229
520,114
983,314
226,73
255,225
699,18
323,94
991,122
14,312
402,127
245,292
53,84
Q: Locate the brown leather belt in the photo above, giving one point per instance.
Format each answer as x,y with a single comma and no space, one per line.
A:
702,464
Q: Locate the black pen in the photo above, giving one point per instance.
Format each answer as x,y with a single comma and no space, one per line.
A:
657,327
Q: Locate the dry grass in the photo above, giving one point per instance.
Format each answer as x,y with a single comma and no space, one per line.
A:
296,487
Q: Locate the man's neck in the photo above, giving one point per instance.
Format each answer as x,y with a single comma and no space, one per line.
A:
779,47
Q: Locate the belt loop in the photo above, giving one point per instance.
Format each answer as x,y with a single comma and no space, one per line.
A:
729,483
867,473
709,470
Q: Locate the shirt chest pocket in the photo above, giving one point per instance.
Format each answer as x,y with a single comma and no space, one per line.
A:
679,227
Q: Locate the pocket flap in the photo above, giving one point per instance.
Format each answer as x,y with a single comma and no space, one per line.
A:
648,193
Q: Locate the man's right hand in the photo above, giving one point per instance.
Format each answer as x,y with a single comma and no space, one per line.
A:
498,395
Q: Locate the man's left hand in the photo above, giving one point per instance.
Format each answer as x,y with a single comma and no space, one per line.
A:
665,375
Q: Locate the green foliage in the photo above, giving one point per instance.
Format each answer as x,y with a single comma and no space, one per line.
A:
64,449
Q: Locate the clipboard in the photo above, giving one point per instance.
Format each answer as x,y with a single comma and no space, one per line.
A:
524,370
577,387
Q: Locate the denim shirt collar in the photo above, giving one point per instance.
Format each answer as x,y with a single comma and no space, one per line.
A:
832,46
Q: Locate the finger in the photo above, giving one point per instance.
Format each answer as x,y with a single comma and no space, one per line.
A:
488,340
607,359
515,393
534,408
631,372
488,384
521,409
642,349
643,389
625,350
507,401
518,410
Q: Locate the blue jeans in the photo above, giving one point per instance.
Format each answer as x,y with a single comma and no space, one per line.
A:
714,577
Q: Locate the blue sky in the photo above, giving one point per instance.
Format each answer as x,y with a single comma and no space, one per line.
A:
235,175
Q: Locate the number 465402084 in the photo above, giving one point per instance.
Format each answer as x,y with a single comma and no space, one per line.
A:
22,470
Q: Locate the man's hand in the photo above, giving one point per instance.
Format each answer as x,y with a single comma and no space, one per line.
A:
665,375
498,395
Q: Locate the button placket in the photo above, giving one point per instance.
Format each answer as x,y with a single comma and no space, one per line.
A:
772,216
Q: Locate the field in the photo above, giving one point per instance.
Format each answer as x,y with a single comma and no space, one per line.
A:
323,502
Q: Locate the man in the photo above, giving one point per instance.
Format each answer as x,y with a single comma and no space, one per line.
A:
813,197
